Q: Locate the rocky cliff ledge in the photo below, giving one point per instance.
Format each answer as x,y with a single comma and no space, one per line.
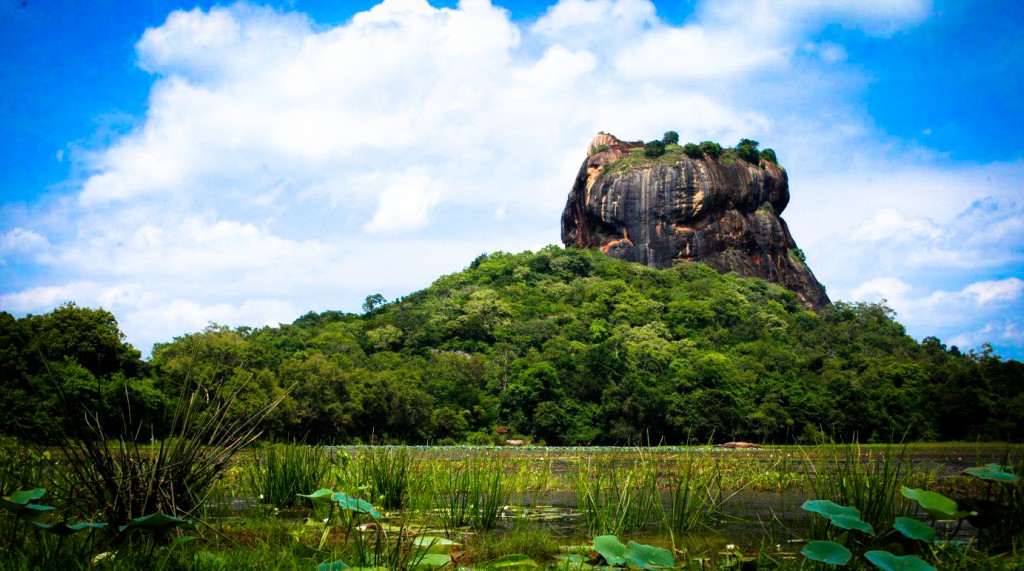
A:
661,211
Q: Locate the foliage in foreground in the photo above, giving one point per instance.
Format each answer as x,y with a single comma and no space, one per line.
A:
562,346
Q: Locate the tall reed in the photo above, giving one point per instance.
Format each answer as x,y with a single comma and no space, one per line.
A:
388,471
617,494
116,479
279,473
868,481
695,495
473,493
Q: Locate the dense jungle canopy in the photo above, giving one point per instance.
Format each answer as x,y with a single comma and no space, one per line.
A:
562,346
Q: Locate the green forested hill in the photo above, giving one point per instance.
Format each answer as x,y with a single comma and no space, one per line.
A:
564,346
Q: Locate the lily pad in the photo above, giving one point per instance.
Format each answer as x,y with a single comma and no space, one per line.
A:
432,561
62,529
355,504
847,522
890,562
34,513
516,561
648,556
829,509
322,495
827,552
158,522
937,505
25,496
914,529
846,517
332,565
609,547
432,544
993,473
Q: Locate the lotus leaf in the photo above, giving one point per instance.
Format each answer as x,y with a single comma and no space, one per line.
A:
64,530
332,565
609,547
648,556
846,517
914,529
322,495
432,544
847,522
34,513
355,505
829,509
512,562
937,505
158,522
993,473
25,496
573,561
890,562
827,552
432,561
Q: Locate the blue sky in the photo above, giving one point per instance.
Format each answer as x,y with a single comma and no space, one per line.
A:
187,163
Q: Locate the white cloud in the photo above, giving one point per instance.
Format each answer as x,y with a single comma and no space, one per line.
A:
284,166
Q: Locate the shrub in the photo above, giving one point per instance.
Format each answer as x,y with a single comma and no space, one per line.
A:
654,149
710,148
691,150
768,155
747,150
670,138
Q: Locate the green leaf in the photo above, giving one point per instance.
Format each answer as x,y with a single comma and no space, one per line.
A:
25,496
847,522
432,561
34,513
18,501
516,561
890,562
937,505
609,547
323,495
332,565
64,530
827,552
914,529
432,544
846,517
828,508
354,504
648,556
993,473
155,523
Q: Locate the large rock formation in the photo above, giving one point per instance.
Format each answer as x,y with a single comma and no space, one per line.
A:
662,211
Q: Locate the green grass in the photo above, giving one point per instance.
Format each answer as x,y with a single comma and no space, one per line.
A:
279,473
636,494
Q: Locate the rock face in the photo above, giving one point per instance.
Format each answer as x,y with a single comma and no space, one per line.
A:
672,209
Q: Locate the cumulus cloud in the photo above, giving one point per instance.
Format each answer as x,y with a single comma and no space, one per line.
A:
285,166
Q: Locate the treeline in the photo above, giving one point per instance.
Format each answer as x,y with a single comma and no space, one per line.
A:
561,346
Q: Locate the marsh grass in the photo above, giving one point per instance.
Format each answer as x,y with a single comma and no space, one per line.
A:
867,480
695,495
117,478
279,473
618,494
388,470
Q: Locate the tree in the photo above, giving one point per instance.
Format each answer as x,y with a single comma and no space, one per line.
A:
373,302
768,155
670,138
654,149
747,150
710,148
691,150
